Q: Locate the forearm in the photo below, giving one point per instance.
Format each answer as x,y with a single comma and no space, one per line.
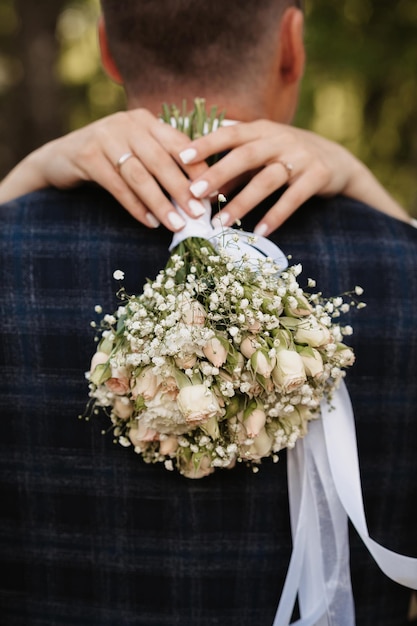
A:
27,176
363,186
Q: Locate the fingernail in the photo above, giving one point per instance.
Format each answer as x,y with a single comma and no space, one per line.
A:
221,219
261,230
176,220
152,221
214,194
196,208
188,155
199,188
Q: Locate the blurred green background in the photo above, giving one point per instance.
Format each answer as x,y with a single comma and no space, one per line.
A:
360,86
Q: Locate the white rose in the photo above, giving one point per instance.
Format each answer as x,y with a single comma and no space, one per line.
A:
313,363
289,372
255,422
262,364
146,384
313,334
98,359
344,356
197,403
261,446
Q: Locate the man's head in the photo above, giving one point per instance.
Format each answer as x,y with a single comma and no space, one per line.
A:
223,51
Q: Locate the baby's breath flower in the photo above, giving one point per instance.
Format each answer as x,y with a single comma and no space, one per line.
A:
118,275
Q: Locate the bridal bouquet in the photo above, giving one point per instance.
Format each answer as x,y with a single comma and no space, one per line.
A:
222,358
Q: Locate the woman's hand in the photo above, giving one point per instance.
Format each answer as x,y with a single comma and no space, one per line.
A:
266,156
93,153
134,156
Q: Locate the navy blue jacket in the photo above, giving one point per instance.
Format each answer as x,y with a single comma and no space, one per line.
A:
92,536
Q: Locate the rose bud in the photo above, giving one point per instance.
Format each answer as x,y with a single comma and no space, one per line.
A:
98,359
187,361
313,363
146,384
118,383
314,334
248,346
196,469
289,372
142,434
168,445
255,422
215,351
122,409
262,364
344,356
192,312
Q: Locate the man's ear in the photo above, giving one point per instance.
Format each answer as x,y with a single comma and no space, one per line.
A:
107,60
292,51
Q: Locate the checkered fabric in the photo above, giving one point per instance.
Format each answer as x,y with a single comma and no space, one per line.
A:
92,536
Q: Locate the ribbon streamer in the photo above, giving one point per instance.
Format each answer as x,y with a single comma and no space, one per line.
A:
323,494
324,484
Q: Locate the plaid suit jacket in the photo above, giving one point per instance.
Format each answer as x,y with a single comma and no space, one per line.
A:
92,536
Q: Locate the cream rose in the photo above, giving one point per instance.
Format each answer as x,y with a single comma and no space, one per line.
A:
197,403
215,352
255,422
262,364
313,362
289,372
146,384
192,312
123,408
118,383
193,469
313,334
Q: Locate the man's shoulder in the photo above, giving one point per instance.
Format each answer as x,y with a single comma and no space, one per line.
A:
88,210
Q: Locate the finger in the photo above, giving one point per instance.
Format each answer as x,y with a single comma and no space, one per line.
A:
224,138
148,191
306,186
175,143
130,133
262,185
248,157
110,180
153,160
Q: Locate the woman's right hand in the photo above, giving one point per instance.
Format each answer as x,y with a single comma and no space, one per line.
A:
92,153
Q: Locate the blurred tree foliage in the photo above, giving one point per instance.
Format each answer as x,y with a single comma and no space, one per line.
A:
360,86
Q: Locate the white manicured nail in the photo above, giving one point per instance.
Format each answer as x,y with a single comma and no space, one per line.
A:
188,155
199,188
196,208
152,221
176,220
261,230
221,219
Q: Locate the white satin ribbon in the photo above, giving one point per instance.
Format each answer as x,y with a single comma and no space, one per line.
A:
323,483
238,244
324,491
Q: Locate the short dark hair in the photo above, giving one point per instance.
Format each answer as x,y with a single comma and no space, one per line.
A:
158,43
